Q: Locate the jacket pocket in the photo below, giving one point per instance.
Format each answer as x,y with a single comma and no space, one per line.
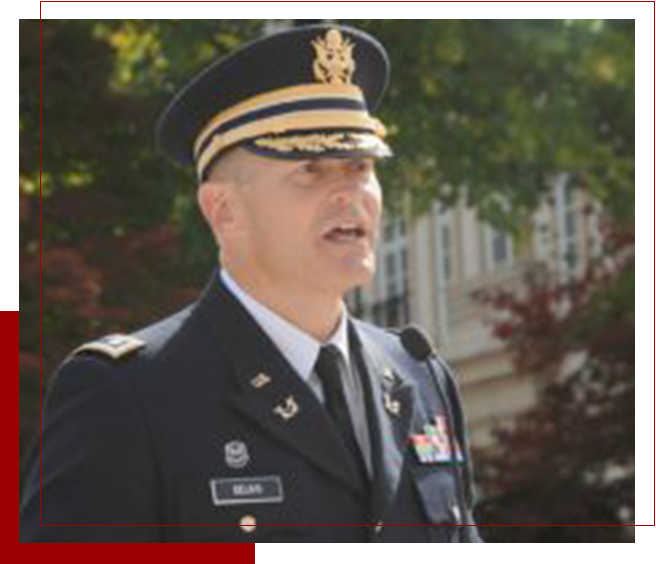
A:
436,486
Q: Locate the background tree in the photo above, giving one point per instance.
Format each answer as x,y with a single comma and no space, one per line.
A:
500,106
633,340
576,458
570,460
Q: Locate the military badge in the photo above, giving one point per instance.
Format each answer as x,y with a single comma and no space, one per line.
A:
433,447
236,454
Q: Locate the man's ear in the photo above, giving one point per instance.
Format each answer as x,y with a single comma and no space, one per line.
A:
215,205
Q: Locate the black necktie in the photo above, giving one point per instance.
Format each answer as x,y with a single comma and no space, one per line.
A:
331,370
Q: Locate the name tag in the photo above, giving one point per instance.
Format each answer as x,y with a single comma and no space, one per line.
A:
235,491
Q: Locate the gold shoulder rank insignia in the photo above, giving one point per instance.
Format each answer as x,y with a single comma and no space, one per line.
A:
114,346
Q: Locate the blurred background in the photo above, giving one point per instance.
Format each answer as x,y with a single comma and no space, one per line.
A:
509,231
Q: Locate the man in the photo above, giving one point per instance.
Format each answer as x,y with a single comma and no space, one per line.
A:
264,412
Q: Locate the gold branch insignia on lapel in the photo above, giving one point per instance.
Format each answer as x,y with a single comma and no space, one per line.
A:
287,409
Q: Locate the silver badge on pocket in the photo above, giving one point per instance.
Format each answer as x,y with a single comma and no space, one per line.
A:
236,454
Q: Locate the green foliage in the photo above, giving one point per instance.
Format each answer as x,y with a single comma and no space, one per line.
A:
498,106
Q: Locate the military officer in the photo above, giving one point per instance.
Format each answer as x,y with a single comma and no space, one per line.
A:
264,412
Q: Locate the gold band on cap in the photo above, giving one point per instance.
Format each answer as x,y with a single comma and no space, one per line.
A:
296,121
281,96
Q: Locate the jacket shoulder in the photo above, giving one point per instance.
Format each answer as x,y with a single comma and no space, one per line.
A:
385,335
385,343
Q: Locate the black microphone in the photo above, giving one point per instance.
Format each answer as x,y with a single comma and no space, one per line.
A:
418,345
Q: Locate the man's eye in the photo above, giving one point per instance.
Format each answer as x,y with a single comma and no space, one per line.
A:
309,168
363,165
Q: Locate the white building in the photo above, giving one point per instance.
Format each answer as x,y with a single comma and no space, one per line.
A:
428,268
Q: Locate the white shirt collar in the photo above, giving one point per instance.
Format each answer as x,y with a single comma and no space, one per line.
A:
299,348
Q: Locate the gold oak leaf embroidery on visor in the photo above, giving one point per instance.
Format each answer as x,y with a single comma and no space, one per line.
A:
319,142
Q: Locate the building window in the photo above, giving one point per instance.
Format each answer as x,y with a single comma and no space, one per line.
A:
393,309
391,277
499,248
445,266
567,221
357,302
444,246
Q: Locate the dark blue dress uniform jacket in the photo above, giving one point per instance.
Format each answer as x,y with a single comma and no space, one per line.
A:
130,445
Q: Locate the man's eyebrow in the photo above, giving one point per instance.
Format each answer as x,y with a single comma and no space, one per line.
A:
362,159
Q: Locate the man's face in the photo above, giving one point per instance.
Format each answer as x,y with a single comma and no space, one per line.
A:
306,225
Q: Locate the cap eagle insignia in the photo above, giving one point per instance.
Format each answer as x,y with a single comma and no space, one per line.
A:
334,62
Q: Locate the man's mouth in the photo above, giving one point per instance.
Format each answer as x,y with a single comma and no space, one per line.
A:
346,234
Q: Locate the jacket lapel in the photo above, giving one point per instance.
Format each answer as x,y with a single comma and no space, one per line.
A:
390,409
271,393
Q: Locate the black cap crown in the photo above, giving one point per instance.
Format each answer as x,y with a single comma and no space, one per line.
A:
306,92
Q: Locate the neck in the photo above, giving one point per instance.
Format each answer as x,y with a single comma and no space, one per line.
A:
316,315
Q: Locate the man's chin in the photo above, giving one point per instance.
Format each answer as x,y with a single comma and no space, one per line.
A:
353,278
346,274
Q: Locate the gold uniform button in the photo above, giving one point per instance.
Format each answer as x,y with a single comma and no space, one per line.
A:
248,523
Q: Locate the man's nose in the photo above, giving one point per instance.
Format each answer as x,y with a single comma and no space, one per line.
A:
350,191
